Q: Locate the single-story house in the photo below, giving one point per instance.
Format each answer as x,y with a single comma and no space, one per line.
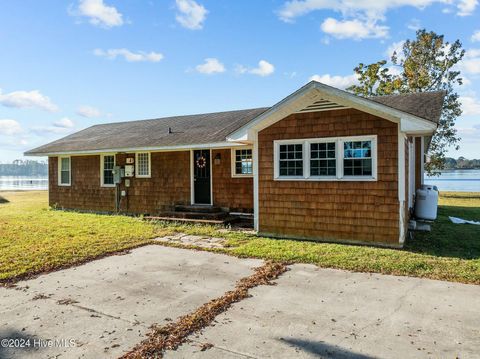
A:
321,164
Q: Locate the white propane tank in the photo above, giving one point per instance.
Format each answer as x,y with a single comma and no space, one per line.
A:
426,202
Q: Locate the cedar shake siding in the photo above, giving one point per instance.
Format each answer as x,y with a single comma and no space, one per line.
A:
234,193
168,185
352,211
85,192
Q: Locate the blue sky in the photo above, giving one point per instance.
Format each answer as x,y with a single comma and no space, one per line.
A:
66,65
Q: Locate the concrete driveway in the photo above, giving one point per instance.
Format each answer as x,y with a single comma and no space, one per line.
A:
106,307
108,304
315,312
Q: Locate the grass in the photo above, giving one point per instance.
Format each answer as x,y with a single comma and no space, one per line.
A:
34,238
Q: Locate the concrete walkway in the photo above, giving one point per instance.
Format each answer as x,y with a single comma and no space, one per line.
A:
107,305
316,312
193,241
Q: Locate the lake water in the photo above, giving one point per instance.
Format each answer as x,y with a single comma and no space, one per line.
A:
456,180
452,180
24,183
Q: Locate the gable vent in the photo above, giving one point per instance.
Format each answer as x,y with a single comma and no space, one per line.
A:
322,105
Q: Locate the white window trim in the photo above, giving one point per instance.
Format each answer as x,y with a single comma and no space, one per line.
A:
149,175
69,171
233,162
339,158
102,161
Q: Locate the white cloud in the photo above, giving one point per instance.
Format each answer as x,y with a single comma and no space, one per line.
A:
476,36
64,123
341,82
49,130
368,8
471,62
290,75
191,14
414,25
466,7
353,29
128,55
88,111
210,66
263,69
10,127
363,15
27,99
99,13
395,47
470,105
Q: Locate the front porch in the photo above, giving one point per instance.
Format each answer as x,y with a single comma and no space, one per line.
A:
204,214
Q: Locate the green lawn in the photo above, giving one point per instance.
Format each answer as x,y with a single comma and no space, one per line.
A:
35,239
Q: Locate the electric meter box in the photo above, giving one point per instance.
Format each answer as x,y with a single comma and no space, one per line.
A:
118,173
129,170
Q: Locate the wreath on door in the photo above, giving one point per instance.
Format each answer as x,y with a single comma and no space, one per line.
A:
201,162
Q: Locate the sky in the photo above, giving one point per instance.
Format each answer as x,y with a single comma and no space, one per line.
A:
67,65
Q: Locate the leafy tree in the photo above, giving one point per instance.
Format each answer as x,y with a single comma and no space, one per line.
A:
24,168
424,64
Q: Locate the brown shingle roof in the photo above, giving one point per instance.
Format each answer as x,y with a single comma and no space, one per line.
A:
205,128
186,130
427,105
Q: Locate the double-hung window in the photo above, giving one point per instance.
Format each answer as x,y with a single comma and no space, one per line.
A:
357,158
290,160
64,171
323,159
107,164
327,159
142,164
242,162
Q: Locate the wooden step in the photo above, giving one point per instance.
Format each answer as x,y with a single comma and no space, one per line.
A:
197,208
192,220
195,215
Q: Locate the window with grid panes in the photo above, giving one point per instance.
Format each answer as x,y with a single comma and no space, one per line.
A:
143,164
357,158
291,160
323,159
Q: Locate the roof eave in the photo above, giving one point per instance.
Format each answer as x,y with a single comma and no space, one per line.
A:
217,145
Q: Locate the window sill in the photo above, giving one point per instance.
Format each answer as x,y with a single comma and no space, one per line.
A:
137,176
326,179
107,186
64,185
242,176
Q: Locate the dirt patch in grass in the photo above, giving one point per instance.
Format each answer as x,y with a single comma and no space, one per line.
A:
172,335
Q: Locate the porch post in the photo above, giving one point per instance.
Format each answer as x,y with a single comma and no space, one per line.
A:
255,181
